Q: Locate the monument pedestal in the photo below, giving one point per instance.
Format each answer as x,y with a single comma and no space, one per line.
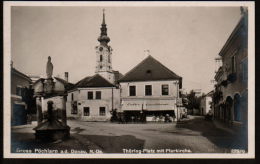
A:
52,131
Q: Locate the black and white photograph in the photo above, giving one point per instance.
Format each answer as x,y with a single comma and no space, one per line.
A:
129,79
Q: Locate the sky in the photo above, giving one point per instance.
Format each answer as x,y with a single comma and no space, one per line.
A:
184,39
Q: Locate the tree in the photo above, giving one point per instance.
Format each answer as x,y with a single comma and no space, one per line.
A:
27,97
191,101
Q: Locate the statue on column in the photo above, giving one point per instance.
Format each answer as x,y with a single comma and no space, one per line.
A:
49,68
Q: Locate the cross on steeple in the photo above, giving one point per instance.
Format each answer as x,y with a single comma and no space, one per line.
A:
103,17
103,38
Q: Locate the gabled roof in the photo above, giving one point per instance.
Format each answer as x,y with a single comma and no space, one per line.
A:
118,75
149,70
93,82
67,85
241,26
15,71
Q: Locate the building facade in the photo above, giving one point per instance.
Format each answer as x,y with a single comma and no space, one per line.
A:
231,89
149,88
206,103
20,97
93,99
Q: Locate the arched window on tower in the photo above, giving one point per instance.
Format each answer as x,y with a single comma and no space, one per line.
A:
108,58
101,58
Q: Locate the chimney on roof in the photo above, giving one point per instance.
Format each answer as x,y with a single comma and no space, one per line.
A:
67,76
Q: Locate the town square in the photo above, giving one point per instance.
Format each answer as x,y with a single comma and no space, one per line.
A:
130,79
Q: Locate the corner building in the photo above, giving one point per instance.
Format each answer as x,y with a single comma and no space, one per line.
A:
149,88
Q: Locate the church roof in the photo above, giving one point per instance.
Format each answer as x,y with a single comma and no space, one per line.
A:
149,69
93,82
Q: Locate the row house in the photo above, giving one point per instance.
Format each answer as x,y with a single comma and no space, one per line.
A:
20,104
230,97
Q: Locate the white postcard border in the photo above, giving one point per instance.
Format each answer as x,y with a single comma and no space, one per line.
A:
251,78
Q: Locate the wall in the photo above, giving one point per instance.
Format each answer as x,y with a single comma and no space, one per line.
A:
57,103
17,80
109,76
58,86
156,89
235,46
80,95
205,104
239,85
156,101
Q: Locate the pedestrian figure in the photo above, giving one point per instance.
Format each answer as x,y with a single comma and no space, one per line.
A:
167,118
157,119
132,118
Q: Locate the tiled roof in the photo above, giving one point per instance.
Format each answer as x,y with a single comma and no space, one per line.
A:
93,81
118,75
149,70
15,71
67,85
239,29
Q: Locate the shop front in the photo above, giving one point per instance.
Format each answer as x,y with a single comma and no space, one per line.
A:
155,110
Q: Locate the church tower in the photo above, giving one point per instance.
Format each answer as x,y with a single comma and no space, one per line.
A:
104,54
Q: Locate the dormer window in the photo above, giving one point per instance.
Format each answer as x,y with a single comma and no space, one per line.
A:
148,71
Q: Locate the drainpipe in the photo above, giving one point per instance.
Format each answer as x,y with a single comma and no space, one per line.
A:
112,99
178,112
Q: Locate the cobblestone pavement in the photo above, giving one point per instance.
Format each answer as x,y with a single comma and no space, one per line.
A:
197,135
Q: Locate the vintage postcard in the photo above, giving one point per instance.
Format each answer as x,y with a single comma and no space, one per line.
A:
129,79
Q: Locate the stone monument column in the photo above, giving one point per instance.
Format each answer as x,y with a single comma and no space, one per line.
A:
39,110
49,68
63,110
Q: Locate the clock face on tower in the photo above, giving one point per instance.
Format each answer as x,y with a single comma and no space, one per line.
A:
100,48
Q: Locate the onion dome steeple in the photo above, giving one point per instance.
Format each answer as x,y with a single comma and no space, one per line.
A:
103,38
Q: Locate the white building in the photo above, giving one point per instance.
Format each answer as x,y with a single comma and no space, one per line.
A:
92,99
150,87
205,103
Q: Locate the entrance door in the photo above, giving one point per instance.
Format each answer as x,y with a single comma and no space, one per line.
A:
19,115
